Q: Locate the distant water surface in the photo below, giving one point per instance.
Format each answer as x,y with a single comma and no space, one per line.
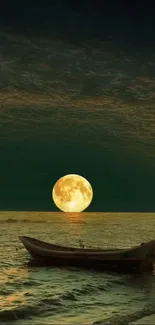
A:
43,296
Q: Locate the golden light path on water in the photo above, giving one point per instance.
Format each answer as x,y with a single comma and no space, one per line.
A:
8,277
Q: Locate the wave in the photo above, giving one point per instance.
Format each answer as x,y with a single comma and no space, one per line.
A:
12,220
18,313
128,318
49,304
53,306
29,311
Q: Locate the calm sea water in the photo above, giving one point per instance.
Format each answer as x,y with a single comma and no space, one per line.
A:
55,296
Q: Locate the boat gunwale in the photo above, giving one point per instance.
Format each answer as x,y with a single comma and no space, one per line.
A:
32,243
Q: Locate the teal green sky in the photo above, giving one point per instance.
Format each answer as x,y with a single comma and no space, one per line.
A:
85,108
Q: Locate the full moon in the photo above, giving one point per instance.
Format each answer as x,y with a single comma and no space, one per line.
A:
72,193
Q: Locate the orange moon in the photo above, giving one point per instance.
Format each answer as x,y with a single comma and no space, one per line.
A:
72,193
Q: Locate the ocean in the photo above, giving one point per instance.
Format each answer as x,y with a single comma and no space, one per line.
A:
31,295
77,96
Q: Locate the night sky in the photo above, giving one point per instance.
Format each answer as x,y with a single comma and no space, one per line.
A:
77,85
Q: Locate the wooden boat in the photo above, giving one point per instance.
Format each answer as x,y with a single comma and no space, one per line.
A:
137,258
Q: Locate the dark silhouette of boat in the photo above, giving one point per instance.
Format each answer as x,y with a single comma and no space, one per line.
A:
137,258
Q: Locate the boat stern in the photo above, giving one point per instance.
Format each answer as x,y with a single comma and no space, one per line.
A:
148,250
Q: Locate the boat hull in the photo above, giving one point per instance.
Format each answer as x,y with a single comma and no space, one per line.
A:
125,260
121,266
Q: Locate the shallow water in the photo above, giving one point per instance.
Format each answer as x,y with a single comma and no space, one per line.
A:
34,295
